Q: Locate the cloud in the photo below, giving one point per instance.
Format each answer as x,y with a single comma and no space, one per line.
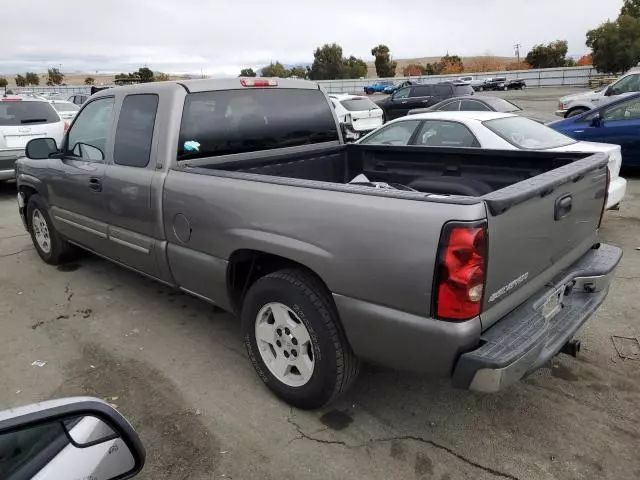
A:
219,38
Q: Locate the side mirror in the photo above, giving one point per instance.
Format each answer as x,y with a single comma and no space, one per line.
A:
611,90
596,121
41,148
78,437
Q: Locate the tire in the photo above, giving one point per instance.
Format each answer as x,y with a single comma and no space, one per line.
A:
575,111
56,250
481,89
505,88
306,307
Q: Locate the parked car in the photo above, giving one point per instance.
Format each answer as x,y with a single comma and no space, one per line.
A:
420,95
357,115
484,103
392,88
502,83
579,103
240,192
495,131
471,80
79,98
615,122
21,119
68,438
377,87
66,110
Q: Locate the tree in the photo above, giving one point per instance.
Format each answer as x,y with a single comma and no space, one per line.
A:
327,62
32,78
451,64
275,70
89,81
298,72
385,67
54,77
413,70
585,61
3,82
145,74
353,67
631,8
432,68
615,45
548,56
161,77
21,81
247,72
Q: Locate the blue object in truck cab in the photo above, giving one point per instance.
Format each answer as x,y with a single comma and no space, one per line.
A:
617,122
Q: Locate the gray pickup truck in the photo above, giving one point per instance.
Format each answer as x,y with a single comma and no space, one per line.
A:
463,263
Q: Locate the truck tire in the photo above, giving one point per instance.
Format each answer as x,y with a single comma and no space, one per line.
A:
49,244
294,339
576,111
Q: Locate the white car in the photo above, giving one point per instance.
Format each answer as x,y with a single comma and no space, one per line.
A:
582,102
21,119
496,131
357,115
65,109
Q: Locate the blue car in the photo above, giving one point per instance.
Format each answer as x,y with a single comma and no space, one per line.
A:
377,87
617,122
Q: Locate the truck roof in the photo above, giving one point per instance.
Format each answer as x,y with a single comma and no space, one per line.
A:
208,84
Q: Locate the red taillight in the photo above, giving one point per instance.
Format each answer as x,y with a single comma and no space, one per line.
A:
461,271
66,127
258,82
5,99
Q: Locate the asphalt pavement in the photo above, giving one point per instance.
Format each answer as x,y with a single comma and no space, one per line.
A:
177,369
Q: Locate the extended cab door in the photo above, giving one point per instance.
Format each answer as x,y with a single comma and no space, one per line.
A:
76,189
131,204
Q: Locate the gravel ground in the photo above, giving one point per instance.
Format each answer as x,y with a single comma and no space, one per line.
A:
178,370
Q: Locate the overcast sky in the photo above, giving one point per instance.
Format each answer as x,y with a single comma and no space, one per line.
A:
220,37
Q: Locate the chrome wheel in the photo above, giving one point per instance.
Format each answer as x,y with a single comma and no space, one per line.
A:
284,344
41,231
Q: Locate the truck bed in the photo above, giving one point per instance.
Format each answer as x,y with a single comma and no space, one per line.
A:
437,171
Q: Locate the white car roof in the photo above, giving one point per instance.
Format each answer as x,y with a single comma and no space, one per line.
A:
479,116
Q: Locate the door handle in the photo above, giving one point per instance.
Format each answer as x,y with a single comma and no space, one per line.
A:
563,207
404,101
95,184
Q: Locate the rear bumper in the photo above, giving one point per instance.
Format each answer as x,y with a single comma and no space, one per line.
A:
617,190
525,340
7,163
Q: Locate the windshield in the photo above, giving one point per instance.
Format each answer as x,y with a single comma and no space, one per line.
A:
66,107
527,134
14,113
358,104
502,105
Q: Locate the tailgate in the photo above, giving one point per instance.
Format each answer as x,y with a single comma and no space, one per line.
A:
538,227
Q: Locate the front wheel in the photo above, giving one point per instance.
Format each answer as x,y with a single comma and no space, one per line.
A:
575,112
49,244
294,340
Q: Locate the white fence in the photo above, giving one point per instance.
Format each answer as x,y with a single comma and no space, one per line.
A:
547,77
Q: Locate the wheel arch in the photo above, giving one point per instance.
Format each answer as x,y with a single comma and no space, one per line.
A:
246,266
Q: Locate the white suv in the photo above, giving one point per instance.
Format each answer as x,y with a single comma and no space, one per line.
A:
21,119
582,102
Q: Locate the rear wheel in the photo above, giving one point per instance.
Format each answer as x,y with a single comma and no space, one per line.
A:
481,89
294,340
49,244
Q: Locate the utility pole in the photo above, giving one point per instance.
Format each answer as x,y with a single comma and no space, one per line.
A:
517,47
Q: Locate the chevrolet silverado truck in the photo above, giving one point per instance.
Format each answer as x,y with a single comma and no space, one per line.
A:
471,264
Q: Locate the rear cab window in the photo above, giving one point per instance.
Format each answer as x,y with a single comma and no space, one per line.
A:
228,122
19,112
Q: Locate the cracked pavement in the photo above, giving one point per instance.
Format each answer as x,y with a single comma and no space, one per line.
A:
178,370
